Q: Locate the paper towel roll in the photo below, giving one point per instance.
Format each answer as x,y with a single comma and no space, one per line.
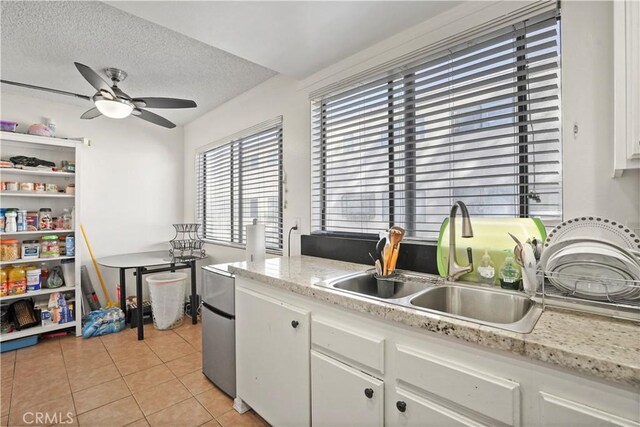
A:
255,242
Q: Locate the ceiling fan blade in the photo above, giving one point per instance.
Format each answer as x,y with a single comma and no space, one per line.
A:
93,78
91,114
46,89
153,118
164,103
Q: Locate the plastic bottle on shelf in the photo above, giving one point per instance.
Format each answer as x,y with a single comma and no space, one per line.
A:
44,275
510,276
17,280
33,277
11,224
67,220
4,281
486,270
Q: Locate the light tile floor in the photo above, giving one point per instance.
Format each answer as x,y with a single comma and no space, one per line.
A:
116,380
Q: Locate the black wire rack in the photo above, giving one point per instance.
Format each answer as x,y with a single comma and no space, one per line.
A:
187,244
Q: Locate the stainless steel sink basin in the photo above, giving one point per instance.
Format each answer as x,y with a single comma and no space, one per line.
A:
365,284
498,308
503,309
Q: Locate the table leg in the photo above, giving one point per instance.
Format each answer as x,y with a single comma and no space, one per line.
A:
194,294
123,291
139,303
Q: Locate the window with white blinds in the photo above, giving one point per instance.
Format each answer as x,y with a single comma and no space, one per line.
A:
478,122
239,181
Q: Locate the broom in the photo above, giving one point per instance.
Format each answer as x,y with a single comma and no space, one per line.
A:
110,303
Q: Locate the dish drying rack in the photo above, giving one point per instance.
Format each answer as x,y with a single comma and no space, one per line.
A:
187,244
610,302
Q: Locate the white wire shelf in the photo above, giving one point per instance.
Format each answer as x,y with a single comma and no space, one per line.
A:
36,232
36,172
30,294
37,194
36,330
30,260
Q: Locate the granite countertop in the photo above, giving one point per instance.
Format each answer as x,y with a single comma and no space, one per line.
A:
604,347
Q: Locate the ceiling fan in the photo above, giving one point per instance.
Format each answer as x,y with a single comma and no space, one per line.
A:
112,102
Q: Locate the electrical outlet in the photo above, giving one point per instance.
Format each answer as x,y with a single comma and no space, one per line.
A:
297,221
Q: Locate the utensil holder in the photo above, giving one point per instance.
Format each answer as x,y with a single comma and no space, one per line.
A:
386,285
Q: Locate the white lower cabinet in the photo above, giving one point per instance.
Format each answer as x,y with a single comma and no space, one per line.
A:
560,412
302,363
405,408
344,396
272,358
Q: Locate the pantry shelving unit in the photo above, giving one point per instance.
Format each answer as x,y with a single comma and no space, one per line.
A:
55,150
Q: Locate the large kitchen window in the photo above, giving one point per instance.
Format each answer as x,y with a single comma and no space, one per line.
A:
477,122
239,181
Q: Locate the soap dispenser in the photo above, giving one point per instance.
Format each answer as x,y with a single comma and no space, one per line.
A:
486,270
510,275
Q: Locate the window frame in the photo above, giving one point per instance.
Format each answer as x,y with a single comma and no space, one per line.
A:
235,144
524,196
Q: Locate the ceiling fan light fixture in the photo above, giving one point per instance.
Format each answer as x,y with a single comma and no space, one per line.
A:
114,108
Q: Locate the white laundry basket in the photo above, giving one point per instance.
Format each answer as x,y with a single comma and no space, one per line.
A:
167,299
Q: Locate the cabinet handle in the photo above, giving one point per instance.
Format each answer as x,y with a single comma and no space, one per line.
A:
368,392
294,324
401,406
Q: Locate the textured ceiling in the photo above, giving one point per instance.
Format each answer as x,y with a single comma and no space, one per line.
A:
293,38
40,40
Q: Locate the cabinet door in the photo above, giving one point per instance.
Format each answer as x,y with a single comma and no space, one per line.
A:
272,358
344,396
560,412
408,409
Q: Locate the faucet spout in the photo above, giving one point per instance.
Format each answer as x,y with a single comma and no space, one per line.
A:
454,270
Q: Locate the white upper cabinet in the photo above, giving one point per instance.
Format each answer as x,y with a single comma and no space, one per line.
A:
626,57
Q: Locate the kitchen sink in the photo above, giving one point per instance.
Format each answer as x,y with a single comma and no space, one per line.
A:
365,284
499,308
482,305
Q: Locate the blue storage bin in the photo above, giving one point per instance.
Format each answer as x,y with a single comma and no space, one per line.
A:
19,343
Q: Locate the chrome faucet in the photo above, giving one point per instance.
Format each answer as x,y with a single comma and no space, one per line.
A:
454,271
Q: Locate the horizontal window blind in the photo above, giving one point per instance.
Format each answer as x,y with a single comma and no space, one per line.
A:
239,181
479,123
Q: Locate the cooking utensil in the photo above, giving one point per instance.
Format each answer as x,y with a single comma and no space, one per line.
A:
394,259
378,267
386,254
372,258
380,248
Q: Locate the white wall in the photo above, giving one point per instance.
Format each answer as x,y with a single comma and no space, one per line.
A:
132,179
587,99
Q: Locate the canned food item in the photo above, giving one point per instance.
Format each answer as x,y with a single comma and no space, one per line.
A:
39,187
30,249
9,250
70,189
51,188
49,247
21,220
32,221
27,186
70,246
11,186
45,222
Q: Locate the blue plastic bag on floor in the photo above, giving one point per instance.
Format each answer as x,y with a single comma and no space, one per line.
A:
102,322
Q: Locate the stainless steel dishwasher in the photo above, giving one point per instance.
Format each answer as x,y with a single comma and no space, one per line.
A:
219,327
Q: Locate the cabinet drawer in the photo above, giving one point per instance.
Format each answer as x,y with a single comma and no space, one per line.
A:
560,412
409,409
484,393
348,344
343,396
